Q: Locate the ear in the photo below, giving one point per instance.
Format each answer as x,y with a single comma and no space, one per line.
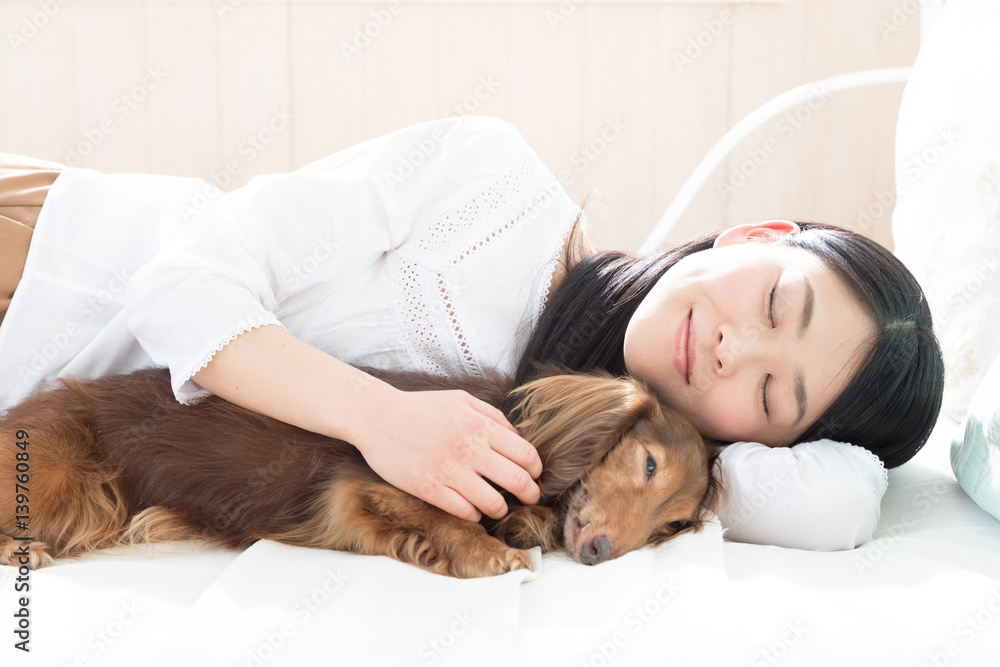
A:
575,420
768,229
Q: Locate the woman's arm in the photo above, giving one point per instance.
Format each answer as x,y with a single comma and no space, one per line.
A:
435,445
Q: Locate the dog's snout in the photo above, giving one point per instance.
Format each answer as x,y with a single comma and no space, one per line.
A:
596,550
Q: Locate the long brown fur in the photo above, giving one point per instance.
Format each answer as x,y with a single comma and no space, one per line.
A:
118,460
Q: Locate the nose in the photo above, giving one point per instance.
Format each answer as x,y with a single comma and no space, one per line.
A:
733,348
596,550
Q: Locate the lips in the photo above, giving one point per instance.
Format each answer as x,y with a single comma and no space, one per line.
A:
692,346
683,349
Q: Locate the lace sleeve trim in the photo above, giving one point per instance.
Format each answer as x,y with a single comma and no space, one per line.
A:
243,327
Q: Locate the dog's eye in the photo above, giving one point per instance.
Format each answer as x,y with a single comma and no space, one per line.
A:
677,526
650,466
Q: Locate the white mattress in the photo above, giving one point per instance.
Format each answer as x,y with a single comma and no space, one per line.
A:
928,589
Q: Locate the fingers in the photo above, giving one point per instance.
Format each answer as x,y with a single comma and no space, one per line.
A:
508,443
470,494
478,491
491,412
451,501
511,477
519,451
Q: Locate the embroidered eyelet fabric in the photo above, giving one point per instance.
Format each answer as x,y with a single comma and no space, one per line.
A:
442,285
427,248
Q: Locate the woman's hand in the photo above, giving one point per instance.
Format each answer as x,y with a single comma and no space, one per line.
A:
438,446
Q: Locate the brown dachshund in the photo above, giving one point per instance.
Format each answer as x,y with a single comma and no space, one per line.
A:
117,460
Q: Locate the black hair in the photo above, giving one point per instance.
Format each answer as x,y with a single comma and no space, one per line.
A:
889,407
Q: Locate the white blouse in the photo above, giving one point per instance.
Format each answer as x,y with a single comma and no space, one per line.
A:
429,248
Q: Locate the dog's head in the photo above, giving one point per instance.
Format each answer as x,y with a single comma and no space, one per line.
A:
622,470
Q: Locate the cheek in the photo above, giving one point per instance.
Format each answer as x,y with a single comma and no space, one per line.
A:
714,413
641,349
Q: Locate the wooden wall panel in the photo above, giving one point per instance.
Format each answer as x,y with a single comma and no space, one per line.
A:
897,47
546,73
618,100
39,99
185,119
401,73
328,80
281,75
473,60
693,99
257,128
761,177
114,88
844,167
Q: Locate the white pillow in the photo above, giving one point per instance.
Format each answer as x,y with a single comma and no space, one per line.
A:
946,224
820,496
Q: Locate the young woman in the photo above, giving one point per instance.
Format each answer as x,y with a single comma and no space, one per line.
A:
448,247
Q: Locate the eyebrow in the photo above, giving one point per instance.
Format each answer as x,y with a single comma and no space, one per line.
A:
800,385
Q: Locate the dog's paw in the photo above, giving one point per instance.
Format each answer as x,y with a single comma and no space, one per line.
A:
12,552
518,559
496,561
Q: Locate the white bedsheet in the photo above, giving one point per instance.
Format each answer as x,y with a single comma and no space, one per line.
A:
926,592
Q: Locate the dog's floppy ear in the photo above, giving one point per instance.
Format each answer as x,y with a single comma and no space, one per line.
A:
575,420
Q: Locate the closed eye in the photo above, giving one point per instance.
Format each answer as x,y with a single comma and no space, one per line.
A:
770,316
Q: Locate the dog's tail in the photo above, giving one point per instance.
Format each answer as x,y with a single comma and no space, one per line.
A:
59,489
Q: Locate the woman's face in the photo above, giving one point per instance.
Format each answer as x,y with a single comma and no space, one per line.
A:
800,350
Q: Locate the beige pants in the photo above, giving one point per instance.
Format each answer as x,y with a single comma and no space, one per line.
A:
24,183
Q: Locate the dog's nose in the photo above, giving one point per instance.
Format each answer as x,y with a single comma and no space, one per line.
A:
596,550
